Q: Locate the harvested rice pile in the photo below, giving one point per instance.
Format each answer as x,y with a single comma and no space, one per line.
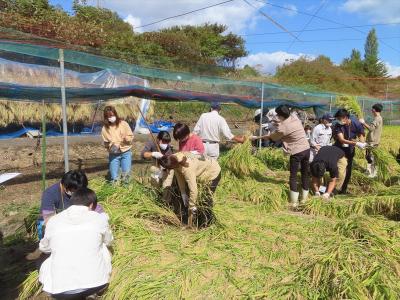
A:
347,248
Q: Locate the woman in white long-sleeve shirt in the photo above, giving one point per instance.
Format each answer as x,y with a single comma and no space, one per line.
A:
77,240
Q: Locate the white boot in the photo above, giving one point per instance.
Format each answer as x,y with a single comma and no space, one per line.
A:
369,170
294,199
374,171
304,196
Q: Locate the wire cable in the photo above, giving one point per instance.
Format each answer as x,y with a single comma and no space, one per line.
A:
318,41
308,23
324,19
320,29
183,14
271,19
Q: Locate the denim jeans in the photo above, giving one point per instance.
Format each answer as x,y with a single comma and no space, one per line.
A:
120,160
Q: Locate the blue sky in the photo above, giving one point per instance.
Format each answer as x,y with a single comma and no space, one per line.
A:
269,50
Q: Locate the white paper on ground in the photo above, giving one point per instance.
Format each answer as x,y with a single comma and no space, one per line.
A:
7,176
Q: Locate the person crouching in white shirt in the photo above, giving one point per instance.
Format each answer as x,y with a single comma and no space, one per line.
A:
79,264
321,135
210,127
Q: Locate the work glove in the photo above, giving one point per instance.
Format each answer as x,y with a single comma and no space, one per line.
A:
185,199
156,155
254,137
326,196
115,149
362,121
195,152
317,194
361,145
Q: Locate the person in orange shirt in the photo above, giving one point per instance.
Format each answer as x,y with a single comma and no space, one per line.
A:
117,136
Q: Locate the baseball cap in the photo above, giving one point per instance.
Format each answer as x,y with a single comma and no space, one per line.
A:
327,117
215,105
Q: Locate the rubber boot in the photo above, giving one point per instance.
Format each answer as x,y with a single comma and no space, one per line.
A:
369,170
304,196
192,219
374,171
294,199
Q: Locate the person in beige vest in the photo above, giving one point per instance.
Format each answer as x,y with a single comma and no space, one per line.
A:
190,171
117,137
373,137
291,132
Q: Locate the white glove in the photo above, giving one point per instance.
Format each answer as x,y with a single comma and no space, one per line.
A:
185,199
362,121
195,152
317,194
361,145
326,196
254,137
156,155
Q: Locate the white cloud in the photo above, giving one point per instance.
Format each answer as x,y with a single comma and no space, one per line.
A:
237,15
268,62
393,71
377,10
134,22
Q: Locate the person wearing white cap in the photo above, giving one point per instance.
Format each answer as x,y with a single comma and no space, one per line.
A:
321,135
210,127
269,123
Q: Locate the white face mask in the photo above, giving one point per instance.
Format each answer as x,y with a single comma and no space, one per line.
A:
163,146
112,119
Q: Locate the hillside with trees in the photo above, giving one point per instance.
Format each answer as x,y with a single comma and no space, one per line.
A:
209,47
355,75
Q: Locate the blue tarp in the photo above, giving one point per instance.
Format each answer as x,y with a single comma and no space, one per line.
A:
49,133
158,126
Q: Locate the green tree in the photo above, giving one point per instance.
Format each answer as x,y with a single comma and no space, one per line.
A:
372,65
354,64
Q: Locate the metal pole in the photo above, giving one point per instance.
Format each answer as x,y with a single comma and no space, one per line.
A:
391,113
64,111
363,107
43,148
262,113
94,116
330,105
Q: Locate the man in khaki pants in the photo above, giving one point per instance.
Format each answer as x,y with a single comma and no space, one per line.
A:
333,160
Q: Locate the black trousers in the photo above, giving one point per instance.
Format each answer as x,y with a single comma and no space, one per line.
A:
368,156
296,161
81,295
350,158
